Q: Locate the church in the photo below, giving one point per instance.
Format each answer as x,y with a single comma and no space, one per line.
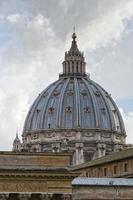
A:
73,143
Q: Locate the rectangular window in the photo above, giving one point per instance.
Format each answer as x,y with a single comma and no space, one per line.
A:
125,167
115,169
105,171
87,174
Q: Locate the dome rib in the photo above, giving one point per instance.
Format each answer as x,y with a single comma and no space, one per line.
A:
77,95
28,121
115,106
60,103
46,103
94,103
40,118
119,116
111,119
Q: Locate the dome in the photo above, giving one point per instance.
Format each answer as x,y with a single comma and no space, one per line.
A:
75,114
74,101
71,103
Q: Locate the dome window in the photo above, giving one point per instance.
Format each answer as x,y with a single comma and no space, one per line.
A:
37,110
68,109
84,92
70,92
87,109
97,93
56,93
103,110
107,94
45,94
51,110
49,125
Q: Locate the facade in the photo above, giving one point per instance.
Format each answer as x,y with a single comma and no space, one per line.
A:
74,114
35,173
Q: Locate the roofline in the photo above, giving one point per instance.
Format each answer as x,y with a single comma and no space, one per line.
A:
36,153
116,156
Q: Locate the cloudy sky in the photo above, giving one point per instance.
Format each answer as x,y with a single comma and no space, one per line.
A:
34,34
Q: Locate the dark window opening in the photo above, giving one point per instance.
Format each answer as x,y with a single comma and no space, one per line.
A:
115,169
105,171
125,167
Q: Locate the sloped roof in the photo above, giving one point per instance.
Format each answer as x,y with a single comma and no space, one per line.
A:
102,181
127,153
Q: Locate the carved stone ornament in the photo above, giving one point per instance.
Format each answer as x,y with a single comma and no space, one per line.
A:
49,135
69,134
89,134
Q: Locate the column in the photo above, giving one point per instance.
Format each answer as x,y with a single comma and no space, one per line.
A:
101,149
24,196
75,64
70,67
4,196
79,153
66,69
83,67
46,196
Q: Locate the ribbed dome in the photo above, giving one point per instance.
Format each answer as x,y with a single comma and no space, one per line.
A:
74,114
74,102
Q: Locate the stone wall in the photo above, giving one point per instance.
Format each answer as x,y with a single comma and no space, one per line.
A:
118,164
122,168
102,192
34,159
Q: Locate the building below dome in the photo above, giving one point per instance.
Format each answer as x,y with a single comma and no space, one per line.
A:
74,114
